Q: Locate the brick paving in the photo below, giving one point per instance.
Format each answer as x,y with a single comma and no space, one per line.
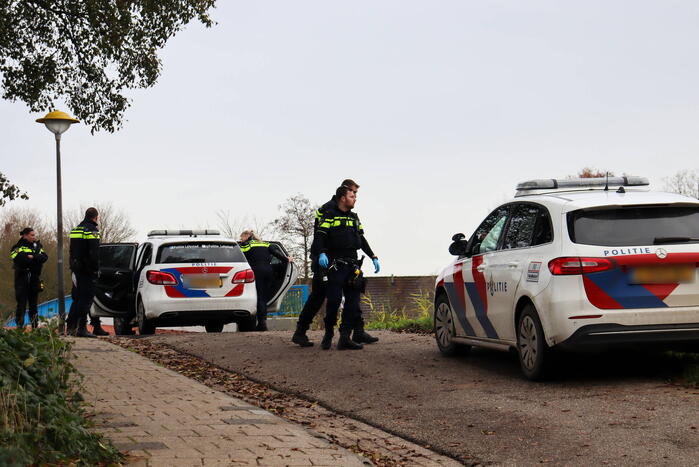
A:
165,419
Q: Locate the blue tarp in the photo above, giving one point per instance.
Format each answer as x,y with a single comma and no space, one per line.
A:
46,310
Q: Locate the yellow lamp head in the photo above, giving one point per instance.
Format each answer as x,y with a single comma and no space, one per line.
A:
57,122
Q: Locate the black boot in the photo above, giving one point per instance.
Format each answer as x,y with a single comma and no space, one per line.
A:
300,336
327,340
345,343
83,332
362,337
98,331
261,325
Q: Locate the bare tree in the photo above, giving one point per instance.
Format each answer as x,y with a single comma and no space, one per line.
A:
295,226
232,226
114,224
591,172
684,182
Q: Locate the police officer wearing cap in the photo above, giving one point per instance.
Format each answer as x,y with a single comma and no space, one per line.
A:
259,257
28,257
84,263
318,291
340,234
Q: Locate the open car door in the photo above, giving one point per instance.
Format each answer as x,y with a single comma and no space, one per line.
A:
285,274
115,288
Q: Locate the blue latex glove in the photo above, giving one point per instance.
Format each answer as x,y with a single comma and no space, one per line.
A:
377,268
323,261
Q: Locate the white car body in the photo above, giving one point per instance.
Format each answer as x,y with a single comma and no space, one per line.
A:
193,291
487,290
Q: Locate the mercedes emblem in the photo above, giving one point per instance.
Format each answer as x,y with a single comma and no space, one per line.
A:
661,253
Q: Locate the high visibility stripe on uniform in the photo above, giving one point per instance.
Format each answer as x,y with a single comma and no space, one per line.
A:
22,249
81,233
254,244
337,222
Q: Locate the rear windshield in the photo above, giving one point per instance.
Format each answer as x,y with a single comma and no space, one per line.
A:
205,252
633,225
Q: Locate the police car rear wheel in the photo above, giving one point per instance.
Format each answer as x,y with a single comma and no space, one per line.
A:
145,326
246,324
444,329
534,353
214,327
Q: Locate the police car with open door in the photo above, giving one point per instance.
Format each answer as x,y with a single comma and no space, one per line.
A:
575,263
183,278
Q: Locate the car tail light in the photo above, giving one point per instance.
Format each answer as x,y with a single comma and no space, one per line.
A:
245,276
161,278
574,265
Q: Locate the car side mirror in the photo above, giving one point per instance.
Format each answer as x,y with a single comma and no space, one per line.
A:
457,237
459,247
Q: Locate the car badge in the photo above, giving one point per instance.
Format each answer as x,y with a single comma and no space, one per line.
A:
205,270
661,253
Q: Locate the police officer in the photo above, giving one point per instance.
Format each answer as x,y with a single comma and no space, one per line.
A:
259,257
339,236
84,263
28,257
318,291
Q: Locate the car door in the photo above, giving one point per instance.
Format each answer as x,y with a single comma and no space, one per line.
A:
285,275
114,288
529,225
467,285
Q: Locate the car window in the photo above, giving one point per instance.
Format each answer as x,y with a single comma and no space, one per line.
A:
204,252
488,234
146,256
115,256
633,225
530,225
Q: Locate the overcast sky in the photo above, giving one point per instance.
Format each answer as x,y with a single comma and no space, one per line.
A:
437,108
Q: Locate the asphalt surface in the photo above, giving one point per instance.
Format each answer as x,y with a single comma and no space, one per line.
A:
614,409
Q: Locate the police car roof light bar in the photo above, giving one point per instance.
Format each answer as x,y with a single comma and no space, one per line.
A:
577,184
191,233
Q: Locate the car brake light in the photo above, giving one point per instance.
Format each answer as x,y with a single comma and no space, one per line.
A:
161,278
574,265
245,276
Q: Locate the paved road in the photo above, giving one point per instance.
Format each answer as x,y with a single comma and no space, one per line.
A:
613,409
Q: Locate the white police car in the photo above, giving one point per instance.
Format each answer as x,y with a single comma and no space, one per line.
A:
573,264
182,278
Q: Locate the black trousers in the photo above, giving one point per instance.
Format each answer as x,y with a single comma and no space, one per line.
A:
338,284
263,284
315,301
26,293
83,293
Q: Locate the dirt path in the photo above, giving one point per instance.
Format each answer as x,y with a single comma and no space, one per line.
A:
609,409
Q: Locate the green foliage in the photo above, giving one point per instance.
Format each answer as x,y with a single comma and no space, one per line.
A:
8,191
417,320
41,417
87,52
689,362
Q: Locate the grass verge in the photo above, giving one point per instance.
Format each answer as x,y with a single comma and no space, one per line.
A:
418,320
42,420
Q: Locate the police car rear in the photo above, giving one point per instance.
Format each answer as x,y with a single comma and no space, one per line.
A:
574,264
182,278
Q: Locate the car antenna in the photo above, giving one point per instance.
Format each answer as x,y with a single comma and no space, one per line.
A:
606,184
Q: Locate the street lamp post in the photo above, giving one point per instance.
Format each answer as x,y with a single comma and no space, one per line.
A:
58,123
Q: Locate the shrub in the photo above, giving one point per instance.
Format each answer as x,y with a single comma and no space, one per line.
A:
41,417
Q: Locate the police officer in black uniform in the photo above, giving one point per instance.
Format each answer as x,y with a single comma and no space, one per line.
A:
318,292
28,257
339,236
84,263
259,257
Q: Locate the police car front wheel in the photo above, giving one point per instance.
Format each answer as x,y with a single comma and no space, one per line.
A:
534,354
444,331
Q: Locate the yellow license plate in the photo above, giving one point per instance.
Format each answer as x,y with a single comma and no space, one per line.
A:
664,274
208,281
